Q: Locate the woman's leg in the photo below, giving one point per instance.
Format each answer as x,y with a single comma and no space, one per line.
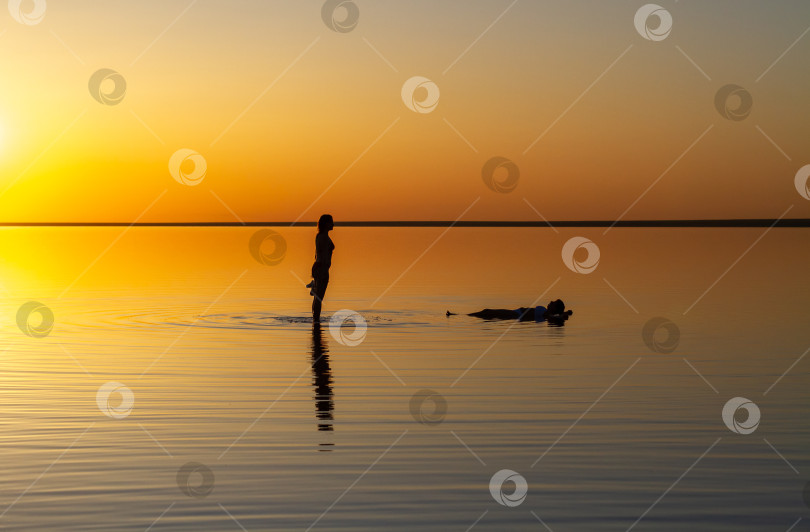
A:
317,299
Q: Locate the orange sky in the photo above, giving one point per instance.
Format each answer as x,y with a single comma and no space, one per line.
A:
294,119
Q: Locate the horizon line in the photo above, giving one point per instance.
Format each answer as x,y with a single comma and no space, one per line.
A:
720,223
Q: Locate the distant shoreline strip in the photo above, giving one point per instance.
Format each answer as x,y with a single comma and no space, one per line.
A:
753,222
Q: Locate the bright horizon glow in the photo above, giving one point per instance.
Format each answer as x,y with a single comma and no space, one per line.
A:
294,119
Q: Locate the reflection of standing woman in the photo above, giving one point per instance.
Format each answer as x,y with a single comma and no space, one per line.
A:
322,380
323,260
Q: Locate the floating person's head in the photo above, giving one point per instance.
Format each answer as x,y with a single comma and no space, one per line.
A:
556,307
326,223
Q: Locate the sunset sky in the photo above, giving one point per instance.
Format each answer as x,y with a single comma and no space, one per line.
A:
294,119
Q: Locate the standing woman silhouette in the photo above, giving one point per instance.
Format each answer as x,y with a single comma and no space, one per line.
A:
323,260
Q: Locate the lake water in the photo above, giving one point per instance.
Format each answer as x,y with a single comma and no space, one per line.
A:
231,412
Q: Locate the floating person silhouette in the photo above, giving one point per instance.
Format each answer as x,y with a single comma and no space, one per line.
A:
322,381
323,260
554,313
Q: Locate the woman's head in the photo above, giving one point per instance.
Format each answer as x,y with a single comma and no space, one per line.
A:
325,223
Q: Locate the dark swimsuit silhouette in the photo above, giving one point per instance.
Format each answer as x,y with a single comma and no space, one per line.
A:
323,260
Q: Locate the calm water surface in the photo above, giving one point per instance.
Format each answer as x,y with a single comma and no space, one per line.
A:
287,428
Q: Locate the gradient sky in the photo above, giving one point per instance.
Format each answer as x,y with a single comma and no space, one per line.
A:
282,108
